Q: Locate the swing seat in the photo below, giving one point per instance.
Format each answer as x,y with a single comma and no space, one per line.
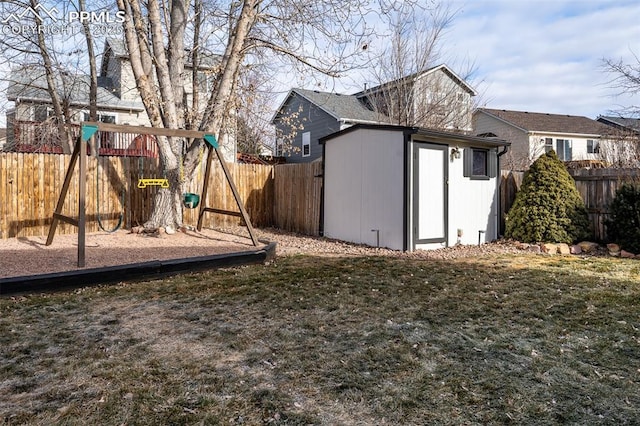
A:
191,200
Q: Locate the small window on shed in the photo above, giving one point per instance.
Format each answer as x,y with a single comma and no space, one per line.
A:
479,163
306,144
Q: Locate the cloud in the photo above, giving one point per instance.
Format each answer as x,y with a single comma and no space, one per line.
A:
547,56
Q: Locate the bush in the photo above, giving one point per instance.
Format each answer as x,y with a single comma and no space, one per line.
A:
623,225
548,207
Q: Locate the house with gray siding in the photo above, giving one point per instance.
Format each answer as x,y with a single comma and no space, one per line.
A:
306,116
435,98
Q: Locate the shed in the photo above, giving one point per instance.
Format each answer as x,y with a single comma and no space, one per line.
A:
408,188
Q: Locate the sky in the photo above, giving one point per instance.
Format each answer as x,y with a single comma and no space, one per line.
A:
531,55
546,55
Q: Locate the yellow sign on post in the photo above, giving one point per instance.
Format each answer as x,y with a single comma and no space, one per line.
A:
143,183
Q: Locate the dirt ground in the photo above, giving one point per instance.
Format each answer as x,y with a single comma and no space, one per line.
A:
30,255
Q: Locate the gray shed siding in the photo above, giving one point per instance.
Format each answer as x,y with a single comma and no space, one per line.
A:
364,179
374,181
312,119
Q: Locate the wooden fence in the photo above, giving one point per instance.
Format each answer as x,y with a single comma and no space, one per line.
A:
30,185
285,196
298,195
596,186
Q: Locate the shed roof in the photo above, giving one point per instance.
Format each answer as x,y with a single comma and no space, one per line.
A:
544,122
433,135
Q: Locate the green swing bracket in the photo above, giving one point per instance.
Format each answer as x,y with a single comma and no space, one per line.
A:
88,130
211,140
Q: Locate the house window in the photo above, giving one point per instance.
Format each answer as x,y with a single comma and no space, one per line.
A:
43,112
204,82
306,144
104,139
548,145
593,147
102,118
563,149
479,163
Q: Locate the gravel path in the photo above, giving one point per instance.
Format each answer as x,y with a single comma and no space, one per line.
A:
291,244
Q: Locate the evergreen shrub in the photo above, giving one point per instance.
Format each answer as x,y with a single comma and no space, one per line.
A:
548,207
623,224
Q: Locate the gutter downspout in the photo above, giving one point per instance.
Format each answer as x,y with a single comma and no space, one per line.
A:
499,174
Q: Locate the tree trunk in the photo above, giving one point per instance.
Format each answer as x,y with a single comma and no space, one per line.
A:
63,134
167,204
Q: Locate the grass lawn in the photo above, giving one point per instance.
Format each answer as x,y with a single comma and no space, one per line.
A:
525,339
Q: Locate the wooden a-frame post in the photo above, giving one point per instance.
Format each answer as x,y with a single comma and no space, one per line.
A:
88,131
79,152
213,148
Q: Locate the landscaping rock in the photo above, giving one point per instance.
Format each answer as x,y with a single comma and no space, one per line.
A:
576,249
534,249
563,249
588,246
550,248
614,249
627,255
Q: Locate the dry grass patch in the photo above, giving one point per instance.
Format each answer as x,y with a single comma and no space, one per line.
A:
325,340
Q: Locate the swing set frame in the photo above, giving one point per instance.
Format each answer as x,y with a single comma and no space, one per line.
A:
79,156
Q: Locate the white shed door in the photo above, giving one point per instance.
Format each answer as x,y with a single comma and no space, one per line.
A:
430,193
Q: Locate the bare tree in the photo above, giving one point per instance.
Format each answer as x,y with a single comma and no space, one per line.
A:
625,77
321,35
621,145
254,103
403,88
41,61
170,44
93,68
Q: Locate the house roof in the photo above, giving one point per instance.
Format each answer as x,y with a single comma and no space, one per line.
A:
119,49
621,122
30,85
544,122
442,67
433,135
341,107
